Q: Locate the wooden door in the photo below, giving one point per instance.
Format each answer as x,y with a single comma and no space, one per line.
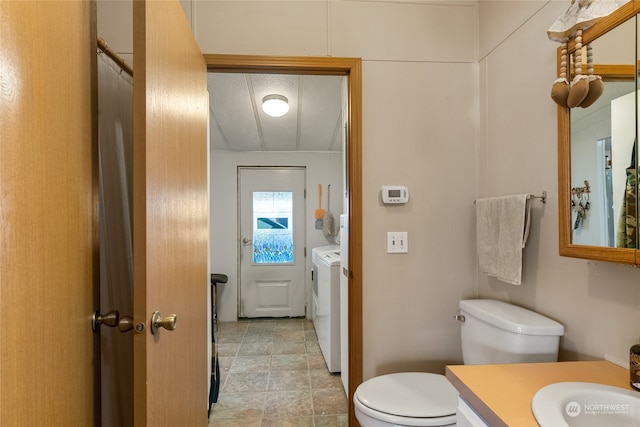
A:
170,226
48,189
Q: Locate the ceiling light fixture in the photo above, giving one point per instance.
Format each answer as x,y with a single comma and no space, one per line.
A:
275,105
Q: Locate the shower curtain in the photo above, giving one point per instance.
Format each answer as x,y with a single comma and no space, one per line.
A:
115,137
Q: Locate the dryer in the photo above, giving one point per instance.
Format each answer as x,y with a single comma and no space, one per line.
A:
326,303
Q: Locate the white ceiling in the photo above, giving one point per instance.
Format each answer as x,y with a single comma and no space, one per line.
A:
238,123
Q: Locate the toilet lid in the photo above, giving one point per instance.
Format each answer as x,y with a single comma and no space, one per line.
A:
409,394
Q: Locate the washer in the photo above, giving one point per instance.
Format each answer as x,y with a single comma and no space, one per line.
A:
326,303
315,262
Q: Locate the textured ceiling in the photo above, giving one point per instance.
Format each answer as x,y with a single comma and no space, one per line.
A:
238,123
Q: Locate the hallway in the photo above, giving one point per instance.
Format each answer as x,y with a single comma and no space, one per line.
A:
273,375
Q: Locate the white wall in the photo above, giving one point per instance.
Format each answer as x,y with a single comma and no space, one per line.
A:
599,303
325,168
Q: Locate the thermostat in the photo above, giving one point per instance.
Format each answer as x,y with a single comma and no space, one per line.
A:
392,194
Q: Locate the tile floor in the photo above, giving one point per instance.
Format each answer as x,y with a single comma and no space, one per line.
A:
273,375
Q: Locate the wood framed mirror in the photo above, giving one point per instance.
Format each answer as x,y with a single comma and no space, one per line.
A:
597,159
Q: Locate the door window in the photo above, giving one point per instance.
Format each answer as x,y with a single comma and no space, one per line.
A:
272,227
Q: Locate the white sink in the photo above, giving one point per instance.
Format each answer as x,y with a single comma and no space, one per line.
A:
586,404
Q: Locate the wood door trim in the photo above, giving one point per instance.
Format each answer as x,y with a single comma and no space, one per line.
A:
352,68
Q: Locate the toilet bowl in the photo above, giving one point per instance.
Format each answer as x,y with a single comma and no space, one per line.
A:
406,399
491,332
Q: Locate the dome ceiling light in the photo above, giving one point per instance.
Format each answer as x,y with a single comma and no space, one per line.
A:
275,105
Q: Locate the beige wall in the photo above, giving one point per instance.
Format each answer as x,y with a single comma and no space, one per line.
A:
420,119
599,303
455,106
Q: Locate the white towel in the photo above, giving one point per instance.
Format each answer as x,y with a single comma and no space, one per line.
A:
502,228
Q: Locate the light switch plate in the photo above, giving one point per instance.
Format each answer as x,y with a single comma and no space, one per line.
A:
397,242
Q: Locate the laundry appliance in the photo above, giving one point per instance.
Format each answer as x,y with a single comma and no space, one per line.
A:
325,312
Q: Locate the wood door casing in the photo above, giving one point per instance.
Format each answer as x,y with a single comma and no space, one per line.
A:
48,193
352,68
170,217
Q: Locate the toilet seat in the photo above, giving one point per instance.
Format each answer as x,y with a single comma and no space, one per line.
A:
408,398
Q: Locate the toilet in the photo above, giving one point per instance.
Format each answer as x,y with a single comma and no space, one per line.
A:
491,332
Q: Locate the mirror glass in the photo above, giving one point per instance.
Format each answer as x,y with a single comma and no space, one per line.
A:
603,156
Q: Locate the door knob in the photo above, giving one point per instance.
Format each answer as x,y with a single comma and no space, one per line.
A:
111,319
125,324
246,241
168,322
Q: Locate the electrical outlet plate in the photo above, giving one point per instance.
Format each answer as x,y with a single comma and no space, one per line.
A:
397,242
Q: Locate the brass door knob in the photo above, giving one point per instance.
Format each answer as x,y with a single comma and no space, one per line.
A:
125,324
168,322
110,319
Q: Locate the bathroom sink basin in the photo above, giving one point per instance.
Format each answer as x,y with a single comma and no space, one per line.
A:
586,404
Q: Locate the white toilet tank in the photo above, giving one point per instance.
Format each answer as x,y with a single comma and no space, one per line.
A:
498,332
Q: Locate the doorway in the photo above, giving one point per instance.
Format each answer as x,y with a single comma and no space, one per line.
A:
352,68
271,234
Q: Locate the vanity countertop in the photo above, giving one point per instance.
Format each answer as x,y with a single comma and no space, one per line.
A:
502,394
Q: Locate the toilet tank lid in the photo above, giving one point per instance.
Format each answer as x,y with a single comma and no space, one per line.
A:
511,318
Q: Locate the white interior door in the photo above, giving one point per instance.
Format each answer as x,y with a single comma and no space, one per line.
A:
272,253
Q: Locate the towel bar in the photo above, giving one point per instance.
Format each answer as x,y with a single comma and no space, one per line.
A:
543,197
